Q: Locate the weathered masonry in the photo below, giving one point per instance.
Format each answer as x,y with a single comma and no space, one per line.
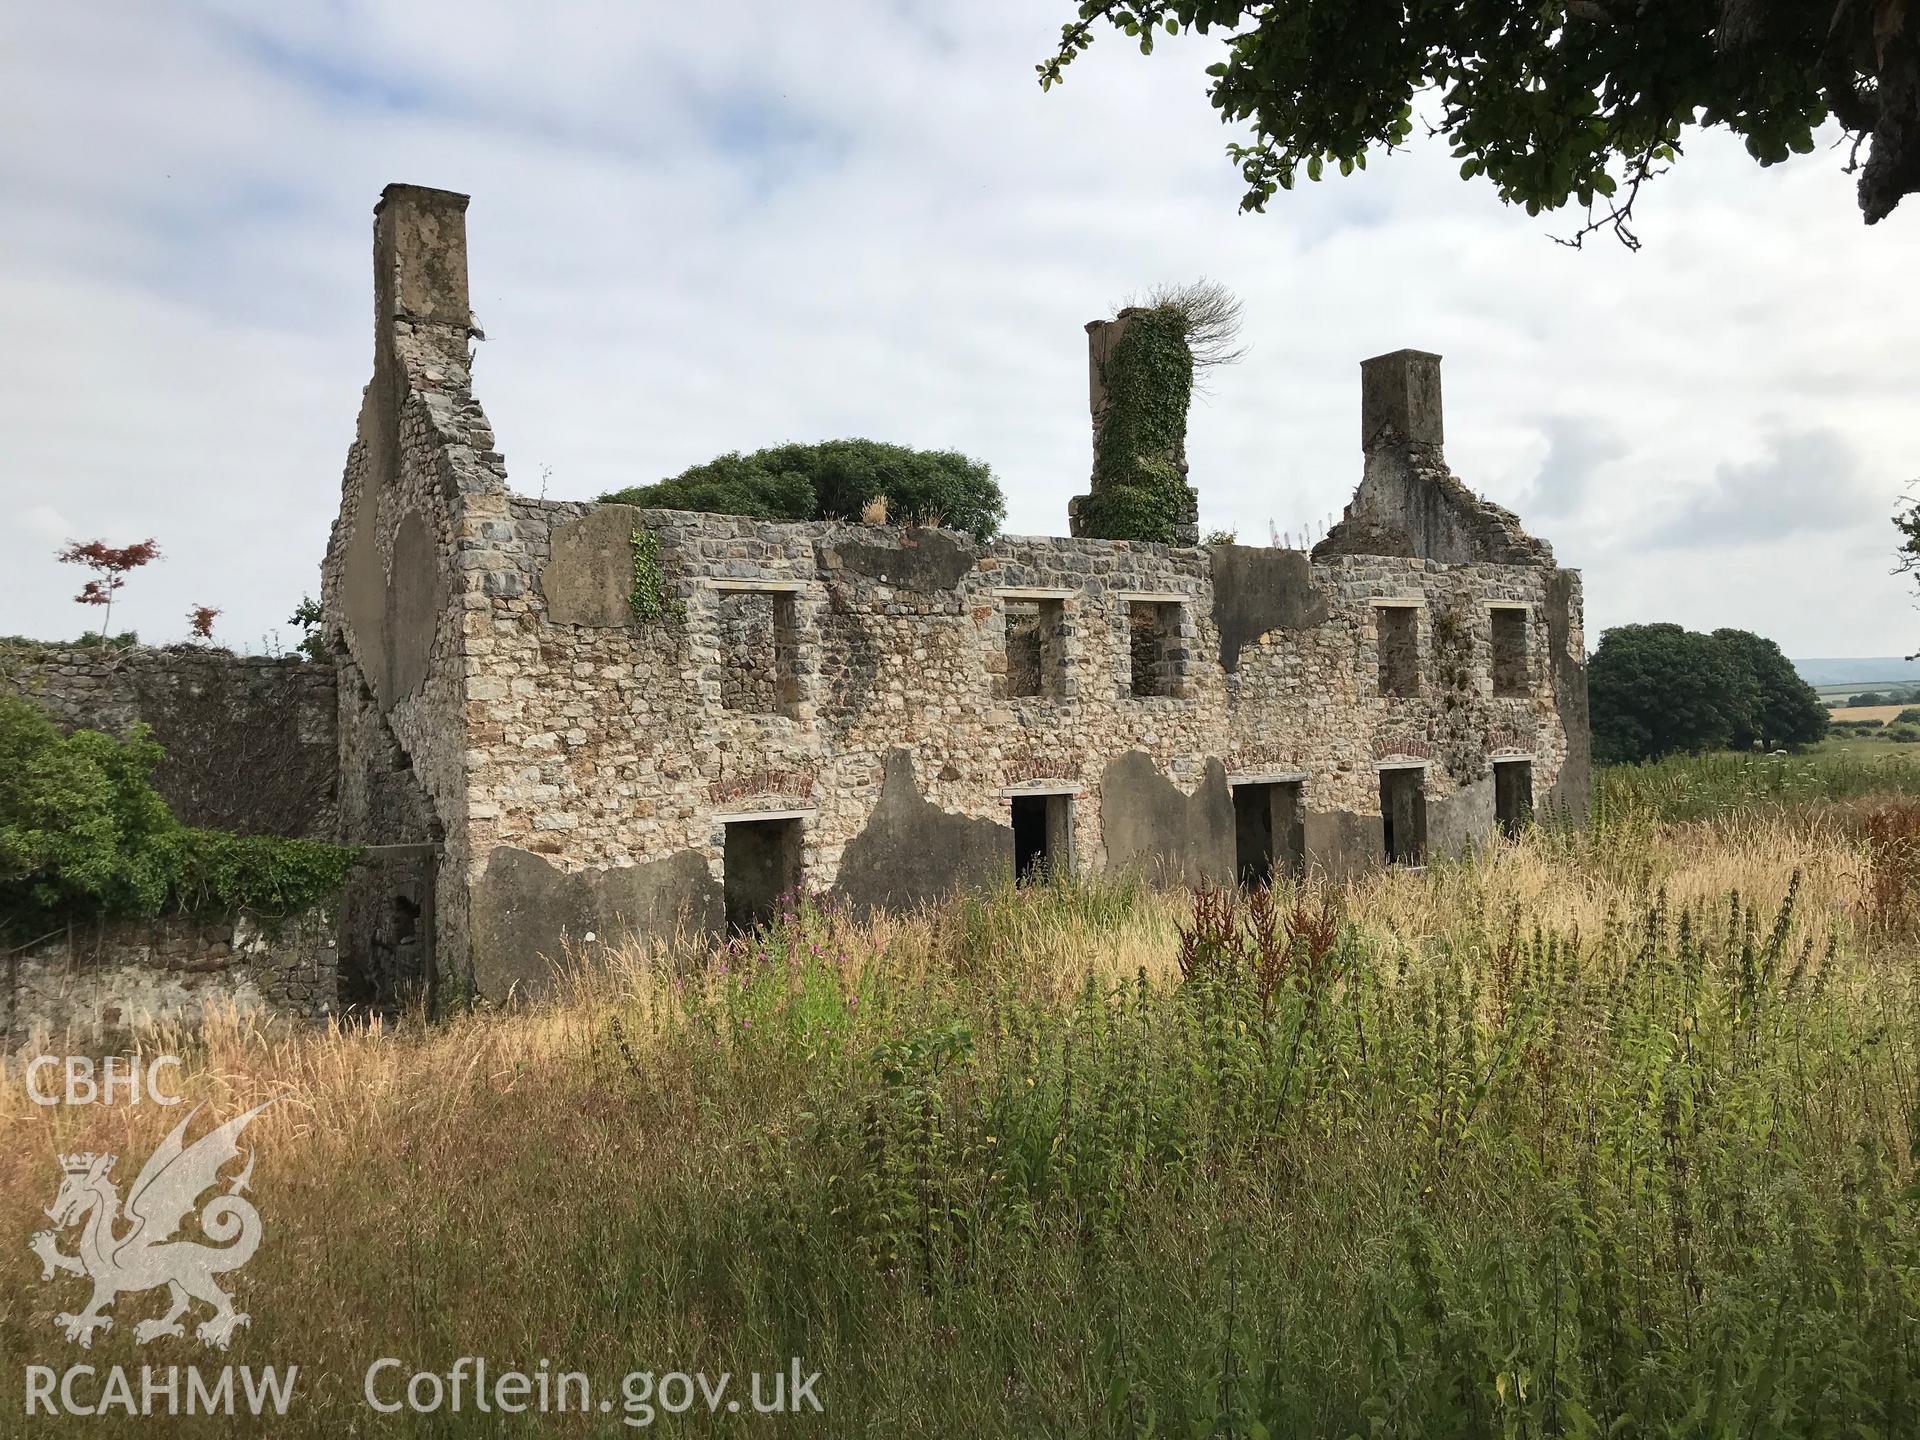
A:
599,719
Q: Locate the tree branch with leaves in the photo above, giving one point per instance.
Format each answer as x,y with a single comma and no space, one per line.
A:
1557,102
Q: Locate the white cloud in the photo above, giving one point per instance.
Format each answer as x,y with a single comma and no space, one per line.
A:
1807,482
45,523
697,230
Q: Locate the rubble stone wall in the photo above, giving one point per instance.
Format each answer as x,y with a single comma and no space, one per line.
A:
624,744
97,986
571,747
422,491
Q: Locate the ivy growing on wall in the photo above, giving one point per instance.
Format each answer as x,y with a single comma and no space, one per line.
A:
1139,492
648,597
1139,474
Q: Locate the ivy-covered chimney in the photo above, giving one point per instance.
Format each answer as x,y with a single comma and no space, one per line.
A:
1139,385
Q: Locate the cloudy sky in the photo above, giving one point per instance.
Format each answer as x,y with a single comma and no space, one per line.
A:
697,229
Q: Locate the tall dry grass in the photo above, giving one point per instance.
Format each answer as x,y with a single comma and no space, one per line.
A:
1056,1161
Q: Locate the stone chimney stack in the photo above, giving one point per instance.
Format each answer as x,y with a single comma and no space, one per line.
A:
1400,401
1102,336
420,267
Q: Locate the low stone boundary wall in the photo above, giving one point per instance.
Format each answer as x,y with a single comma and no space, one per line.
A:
96,986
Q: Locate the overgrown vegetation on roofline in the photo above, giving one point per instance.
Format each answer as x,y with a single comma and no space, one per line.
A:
1139,489
835,480
85,837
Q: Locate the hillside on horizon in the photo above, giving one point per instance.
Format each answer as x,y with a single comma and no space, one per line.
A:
1864,670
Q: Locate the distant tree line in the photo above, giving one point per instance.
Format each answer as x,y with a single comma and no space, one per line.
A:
1656,690
1898,695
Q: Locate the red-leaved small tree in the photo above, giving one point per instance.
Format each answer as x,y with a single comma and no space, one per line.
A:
112,566
200,618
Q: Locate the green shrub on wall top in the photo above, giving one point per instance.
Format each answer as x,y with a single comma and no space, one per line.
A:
84,836
834,480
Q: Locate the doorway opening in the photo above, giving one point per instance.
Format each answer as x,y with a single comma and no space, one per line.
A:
1042,836
1403,814
760,863
1269,832
1513,796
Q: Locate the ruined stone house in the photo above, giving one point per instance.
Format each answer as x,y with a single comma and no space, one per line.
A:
885,713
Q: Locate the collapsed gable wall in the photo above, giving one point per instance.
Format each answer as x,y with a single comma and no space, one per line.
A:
423,489
1408,502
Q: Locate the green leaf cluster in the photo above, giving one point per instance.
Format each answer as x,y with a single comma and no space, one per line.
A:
1554,101
313,640
84,836
1138,491
1655,690
834,480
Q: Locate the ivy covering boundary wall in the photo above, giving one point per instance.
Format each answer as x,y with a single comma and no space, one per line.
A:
84,837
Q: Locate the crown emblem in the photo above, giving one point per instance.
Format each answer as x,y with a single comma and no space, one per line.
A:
80,1164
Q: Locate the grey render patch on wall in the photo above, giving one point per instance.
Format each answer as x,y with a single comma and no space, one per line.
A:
885,865
1461,819
416,598
924,561
530,916
1258,589
1400,400
1153,825
1567,665
589,578
1343,843
394,604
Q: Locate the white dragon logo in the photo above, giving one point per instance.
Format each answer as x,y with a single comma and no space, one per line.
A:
147,1256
